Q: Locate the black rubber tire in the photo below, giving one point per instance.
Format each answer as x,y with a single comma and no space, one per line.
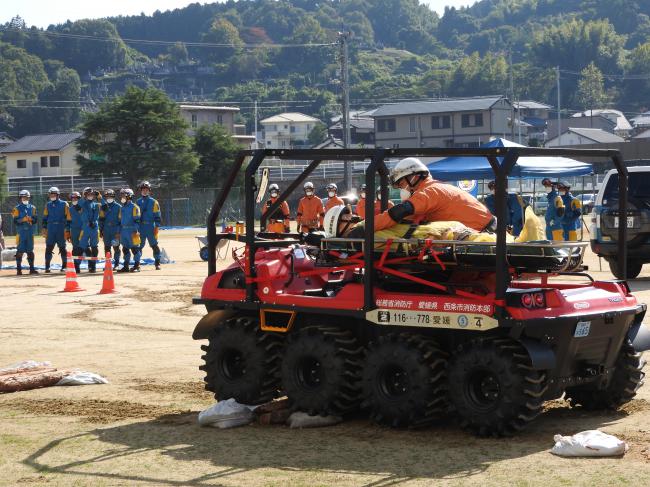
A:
321,371
627,379
633,268
405,381
493,387
204,253
242,362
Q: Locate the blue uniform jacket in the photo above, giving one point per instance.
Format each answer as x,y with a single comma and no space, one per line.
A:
109,219
554,211
20,213
514,213
572,212
150,211
56,215
130,225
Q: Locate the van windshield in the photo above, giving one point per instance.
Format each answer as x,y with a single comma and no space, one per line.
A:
638,187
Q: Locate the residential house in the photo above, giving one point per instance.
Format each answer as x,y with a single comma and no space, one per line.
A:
581,136
199,115
535,116
595,122
287,130
42,155
362,128
5,139
622,126
641,122
459,122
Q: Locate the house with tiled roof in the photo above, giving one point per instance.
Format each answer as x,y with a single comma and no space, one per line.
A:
287,130
42,155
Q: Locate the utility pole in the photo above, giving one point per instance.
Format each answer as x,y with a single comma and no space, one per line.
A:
344,38
512,96
559,118
255,123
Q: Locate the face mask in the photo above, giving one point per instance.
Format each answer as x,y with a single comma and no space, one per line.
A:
74,202
492,191
563,193
90,197
123,200
145,193
363,194
331,194
404,194
309,193
274,195
109,200
379,196
549,189
53,198
25,201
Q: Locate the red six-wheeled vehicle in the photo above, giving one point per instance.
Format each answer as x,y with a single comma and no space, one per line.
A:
411,330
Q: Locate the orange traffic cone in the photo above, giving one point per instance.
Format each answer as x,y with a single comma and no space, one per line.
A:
108,285
71,284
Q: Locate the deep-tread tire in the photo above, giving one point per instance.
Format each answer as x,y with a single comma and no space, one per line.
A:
321,371
242,362
493,387
404,381
633,268
204,253
627,379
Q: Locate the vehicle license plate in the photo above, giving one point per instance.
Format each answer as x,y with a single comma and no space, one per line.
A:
582,329
630,222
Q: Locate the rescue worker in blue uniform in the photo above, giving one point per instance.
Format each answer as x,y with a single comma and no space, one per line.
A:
514,211
89,236
75,225
150,221
571,221
109,225
130,231
25,218
56,227
554,212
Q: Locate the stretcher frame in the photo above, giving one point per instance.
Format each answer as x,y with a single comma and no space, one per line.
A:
501,159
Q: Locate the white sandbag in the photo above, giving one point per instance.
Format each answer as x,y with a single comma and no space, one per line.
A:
304,420
164,257
227,414
591,443
78,378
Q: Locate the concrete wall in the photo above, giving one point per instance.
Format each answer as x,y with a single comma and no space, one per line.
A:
209,117
568,139
67,163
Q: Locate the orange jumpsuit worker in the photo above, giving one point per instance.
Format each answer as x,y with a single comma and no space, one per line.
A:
426,200
310,210
361,204
332,198
278,222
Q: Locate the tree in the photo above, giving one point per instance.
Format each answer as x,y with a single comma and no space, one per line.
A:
318,134
217,151
139,135
591,88
178,53
222,32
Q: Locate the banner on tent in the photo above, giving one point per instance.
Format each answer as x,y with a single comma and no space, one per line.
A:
469,185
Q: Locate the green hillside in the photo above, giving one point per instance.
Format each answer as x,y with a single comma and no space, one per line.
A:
283,55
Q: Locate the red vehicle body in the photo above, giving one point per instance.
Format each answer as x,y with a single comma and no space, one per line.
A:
412,335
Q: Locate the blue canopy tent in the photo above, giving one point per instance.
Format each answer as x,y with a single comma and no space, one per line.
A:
464,168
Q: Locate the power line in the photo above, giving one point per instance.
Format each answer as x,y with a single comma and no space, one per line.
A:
612,76
167,43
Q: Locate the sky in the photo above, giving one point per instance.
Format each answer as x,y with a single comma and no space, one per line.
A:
45,12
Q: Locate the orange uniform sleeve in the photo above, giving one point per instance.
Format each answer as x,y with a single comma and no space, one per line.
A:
300,211
361,208
383,221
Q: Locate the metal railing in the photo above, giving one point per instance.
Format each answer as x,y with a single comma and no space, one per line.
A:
66,184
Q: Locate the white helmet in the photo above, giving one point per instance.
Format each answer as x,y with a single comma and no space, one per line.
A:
332,186
407,167
274,187
25,193
54,190
331,220
308,185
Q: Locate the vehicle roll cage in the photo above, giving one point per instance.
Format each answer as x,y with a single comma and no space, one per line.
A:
377,165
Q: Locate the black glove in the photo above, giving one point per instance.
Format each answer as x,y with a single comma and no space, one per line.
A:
92,225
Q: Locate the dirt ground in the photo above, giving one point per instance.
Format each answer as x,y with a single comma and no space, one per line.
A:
141,428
